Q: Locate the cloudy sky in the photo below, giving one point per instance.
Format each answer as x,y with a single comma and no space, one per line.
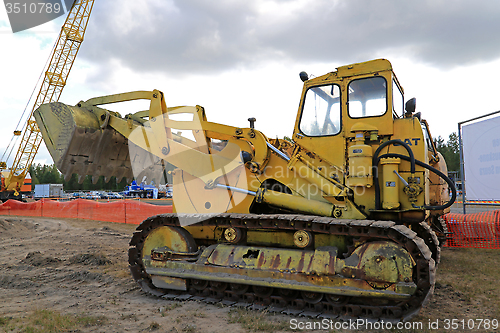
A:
241,59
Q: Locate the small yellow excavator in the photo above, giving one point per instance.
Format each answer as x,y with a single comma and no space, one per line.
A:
342,219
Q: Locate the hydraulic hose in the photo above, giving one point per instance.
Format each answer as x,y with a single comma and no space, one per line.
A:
376,159
432,169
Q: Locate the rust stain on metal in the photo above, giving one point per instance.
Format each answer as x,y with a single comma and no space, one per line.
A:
262,259
300,266
331,264
276,261
310,263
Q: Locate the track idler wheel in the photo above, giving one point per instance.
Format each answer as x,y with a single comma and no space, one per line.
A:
217,286
234,235
199,284
311,297
170,239
288,294
238,289
262,291
335,299
176,239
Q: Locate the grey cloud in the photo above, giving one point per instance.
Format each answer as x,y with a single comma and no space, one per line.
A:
198,36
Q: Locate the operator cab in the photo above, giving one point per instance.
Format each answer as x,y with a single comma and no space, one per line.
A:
335,102
358,101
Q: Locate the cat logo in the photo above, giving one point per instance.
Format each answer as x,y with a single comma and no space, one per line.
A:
412,141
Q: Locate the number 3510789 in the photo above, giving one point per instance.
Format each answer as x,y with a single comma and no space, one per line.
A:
32,8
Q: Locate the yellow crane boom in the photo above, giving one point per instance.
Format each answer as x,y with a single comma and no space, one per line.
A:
61,62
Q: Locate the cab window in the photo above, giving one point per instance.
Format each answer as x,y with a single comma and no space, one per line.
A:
367,97
397,100
321,111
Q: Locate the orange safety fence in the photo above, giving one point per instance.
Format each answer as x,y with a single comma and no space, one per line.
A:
478,230
122,211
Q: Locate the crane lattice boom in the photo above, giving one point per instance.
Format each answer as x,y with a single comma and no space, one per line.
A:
62,59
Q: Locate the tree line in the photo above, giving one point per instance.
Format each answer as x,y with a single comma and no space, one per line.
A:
450,151
48,174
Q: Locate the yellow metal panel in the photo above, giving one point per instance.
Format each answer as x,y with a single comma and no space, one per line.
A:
410,131
368,67
312,283
282,260
263,237
390,183
339,242
191,195
205,232
167,282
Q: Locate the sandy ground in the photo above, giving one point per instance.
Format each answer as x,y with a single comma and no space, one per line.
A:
80,267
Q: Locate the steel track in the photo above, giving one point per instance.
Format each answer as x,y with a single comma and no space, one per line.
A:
341,309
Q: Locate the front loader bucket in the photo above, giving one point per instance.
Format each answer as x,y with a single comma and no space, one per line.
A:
87,139
79,145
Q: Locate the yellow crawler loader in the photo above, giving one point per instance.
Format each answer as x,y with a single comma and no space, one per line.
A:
340,220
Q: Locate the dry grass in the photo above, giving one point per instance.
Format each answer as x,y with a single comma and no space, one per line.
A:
255,321
474,272
46,321
118,270
164,309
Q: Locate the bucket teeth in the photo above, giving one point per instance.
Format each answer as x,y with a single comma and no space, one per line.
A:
67,177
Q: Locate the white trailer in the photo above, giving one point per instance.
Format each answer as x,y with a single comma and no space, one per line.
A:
48,191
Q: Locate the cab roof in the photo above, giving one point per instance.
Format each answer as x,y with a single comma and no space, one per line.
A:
367,67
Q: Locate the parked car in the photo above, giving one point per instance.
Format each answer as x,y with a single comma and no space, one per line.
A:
114,195
92,195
